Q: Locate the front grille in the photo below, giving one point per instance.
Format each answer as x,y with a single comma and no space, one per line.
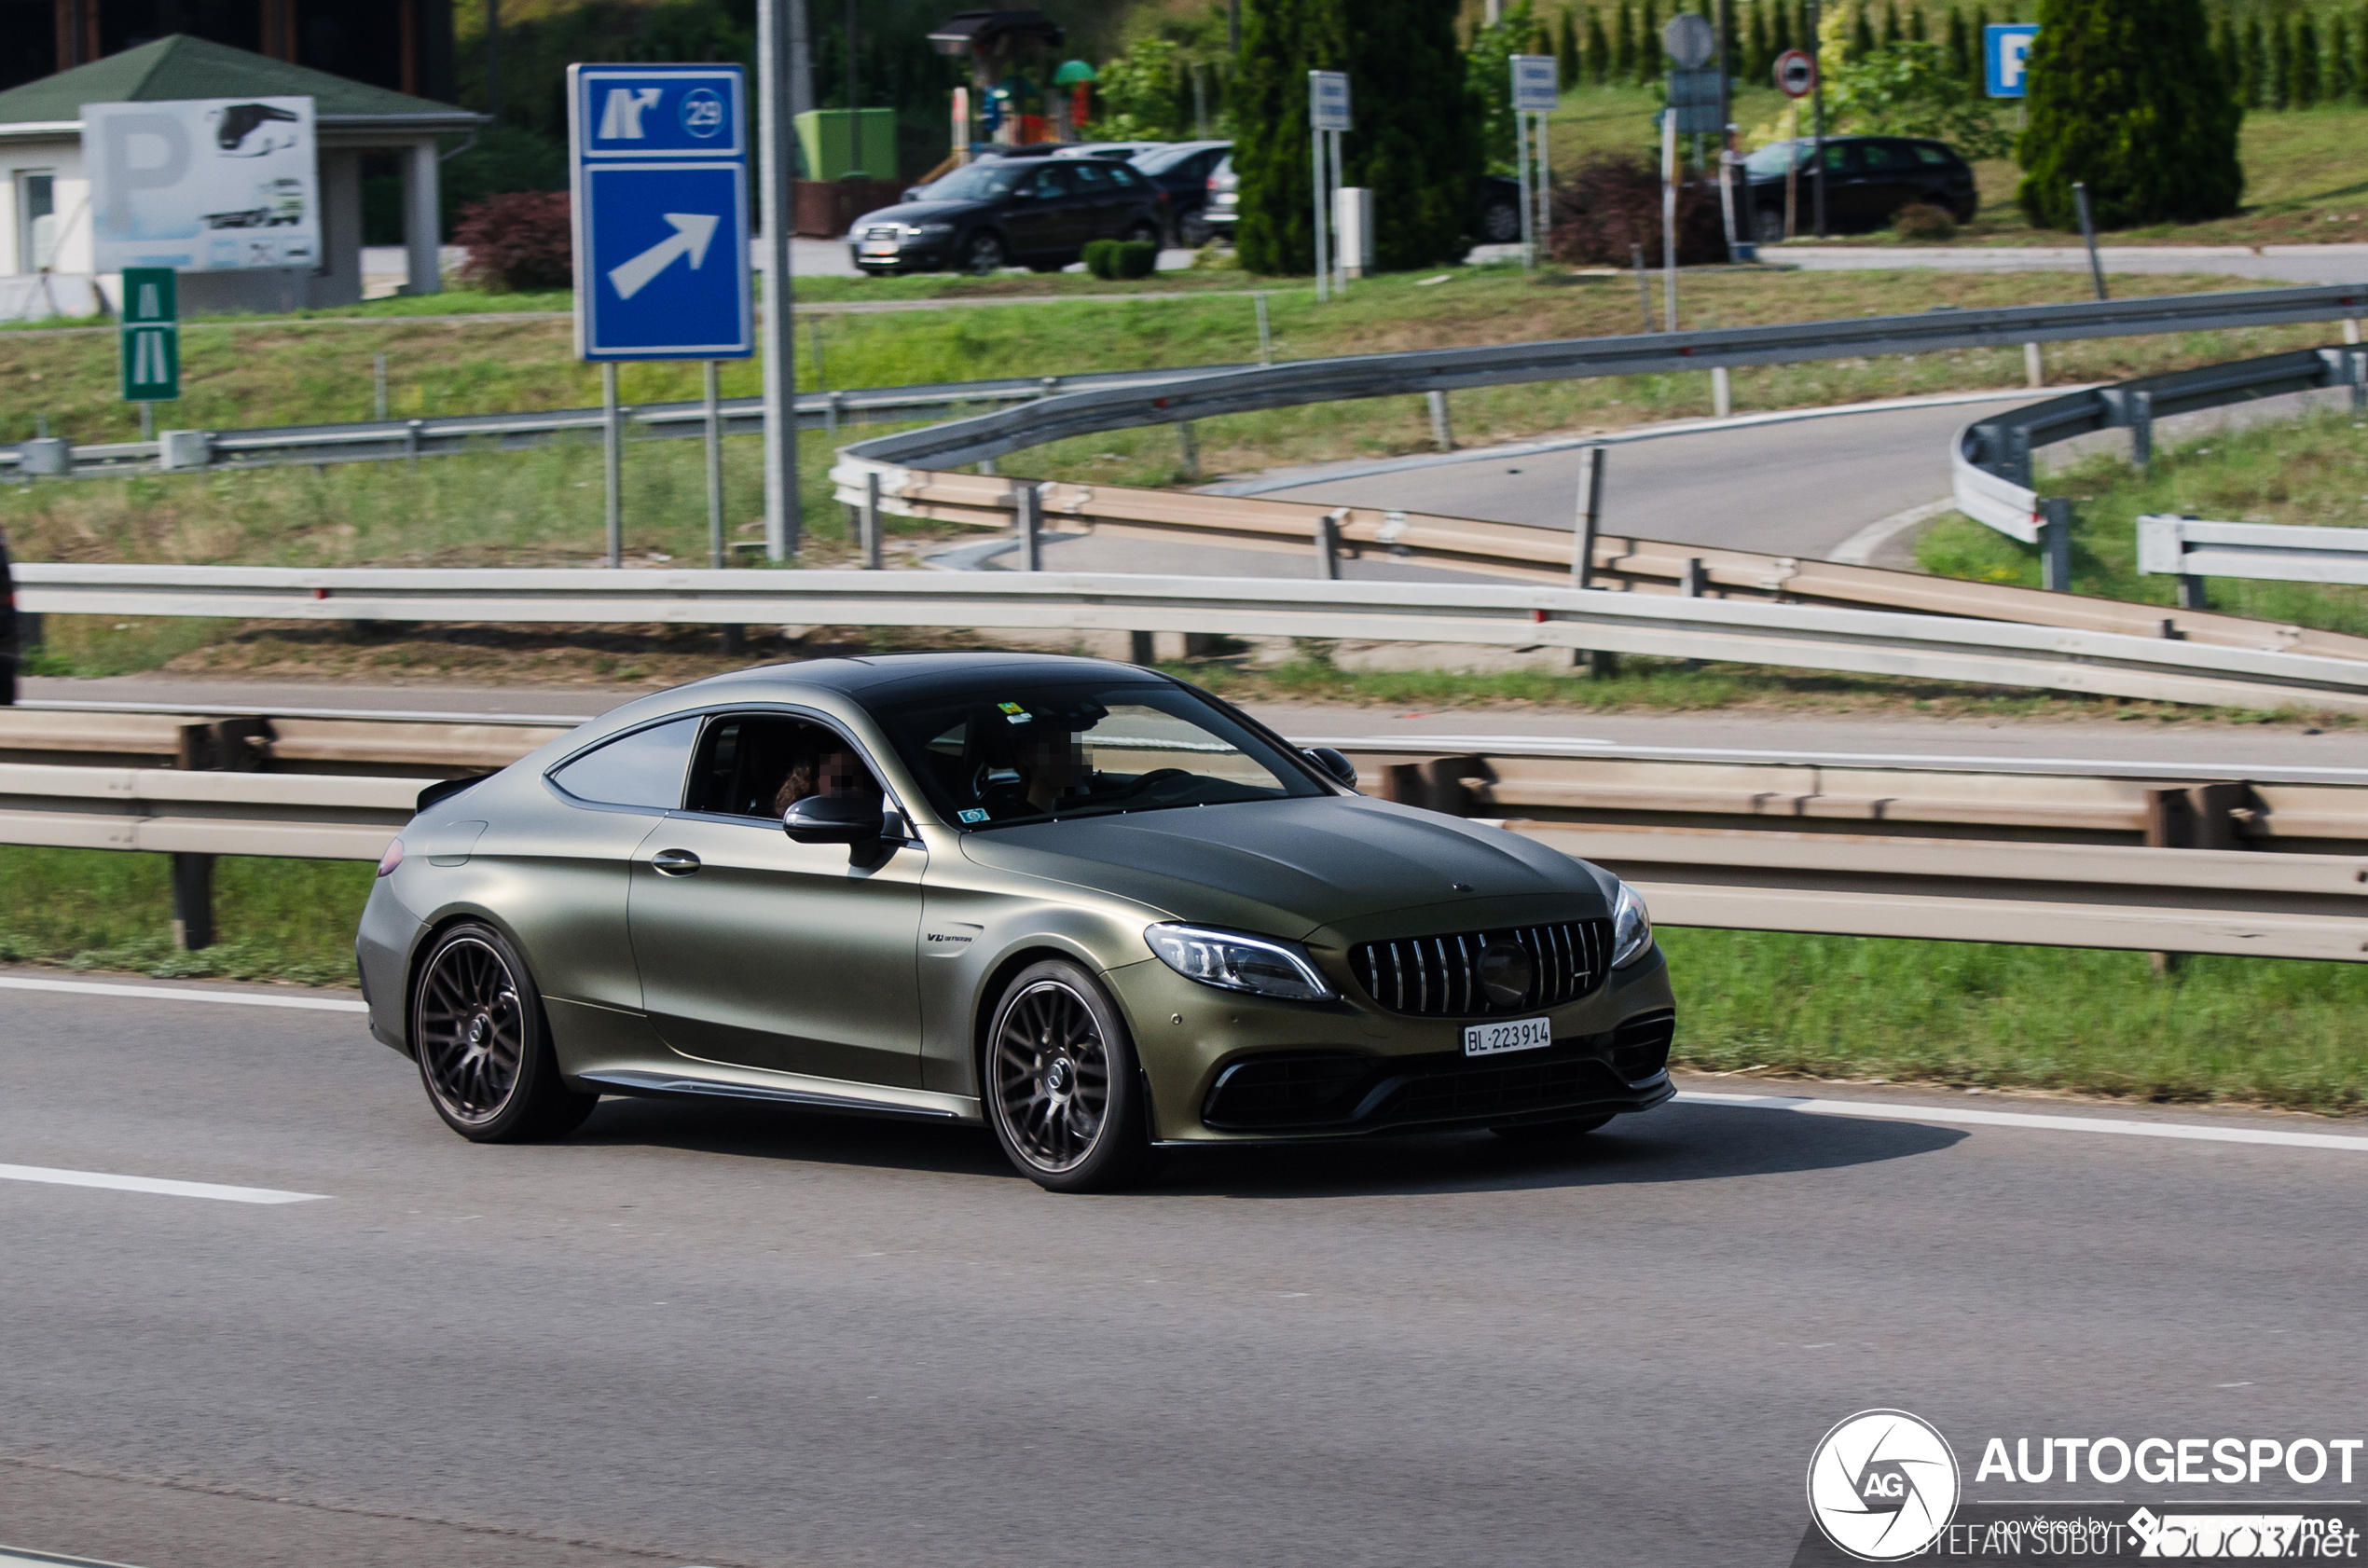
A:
882,231
1287,1091
1439,977
1640,1046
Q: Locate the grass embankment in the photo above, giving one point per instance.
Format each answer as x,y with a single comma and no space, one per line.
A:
2313,470
2250,1030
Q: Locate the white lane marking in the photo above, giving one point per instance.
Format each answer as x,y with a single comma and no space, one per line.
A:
157,1185
18,1556
181,994
1860,547
1881,1110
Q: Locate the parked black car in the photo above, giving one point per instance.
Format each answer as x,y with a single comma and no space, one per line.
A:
1867,179
1496,205
8,649
1036,211
1181,169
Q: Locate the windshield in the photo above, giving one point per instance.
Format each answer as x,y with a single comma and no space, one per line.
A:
1771,158
1034,753
983,180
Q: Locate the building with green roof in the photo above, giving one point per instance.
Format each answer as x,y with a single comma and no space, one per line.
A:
45,228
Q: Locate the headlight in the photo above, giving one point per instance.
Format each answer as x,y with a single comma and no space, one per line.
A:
931,230
1239,963
1631,929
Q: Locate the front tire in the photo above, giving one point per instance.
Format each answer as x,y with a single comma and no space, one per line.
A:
1501,223
982,255
1060,1082
1768,225
483,1049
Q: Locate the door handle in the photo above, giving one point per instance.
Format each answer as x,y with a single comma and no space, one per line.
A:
675,863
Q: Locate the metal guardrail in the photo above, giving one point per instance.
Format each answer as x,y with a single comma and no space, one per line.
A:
2017,868
2192,548
1204,394
1808,637
1990,462
384,440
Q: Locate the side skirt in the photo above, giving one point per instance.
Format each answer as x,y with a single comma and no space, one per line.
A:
847,1099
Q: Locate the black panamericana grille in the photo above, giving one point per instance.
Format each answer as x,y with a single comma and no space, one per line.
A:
1640,1046
1439,977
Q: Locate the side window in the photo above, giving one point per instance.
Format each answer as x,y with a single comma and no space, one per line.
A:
1127,179
1930,154
757,766
1837,156
643,768
1052,182
1091,177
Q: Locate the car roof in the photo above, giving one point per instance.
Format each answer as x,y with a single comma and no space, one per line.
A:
896,677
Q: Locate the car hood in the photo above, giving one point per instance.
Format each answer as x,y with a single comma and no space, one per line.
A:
1289,868
920,212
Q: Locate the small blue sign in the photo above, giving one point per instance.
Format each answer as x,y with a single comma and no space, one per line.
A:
661,213
2005,48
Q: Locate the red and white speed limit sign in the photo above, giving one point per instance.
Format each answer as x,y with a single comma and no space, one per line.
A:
1797,73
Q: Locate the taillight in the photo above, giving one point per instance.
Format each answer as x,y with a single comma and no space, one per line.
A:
391,859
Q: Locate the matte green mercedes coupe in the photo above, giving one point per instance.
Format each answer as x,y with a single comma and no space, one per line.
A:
1093,907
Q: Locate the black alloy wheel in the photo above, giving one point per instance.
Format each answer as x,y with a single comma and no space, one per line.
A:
1060,1081
1535,1133
1768,225
1138,233
484,1053
1501,223
983,253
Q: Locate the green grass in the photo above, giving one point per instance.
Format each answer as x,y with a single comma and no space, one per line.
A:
2267,1031
2313,470
102,909
2252,1030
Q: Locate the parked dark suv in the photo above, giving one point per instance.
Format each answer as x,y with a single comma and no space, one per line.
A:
1036,211
1867,179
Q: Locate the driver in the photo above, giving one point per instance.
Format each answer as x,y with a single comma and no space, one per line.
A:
1050,763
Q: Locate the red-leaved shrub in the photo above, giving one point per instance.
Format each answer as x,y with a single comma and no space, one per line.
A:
1613,201
518,239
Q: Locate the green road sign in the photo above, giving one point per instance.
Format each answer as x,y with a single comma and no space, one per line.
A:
151,334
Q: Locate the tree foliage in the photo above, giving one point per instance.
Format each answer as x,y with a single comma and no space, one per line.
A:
1140,100
1489,70
2125,97
1908,89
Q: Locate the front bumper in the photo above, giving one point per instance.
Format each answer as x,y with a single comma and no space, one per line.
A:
1226,1066
912,255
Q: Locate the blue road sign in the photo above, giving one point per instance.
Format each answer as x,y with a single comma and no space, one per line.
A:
2005,47
660,157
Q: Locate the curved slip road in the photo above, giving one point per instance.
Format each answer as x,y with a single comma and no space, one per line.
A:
701,1336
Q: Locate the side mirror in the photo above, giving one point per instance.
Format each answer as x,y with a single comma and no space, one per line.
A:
833,819
1333,762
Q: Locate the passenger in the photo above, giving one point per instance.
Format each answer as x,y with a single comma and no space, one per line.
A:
827,767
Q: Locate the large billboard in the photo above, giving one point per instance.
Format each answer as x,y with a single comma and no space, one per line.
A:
202,185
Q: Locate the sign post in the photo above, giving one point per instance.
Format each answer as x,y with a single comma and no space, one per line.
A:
1796,78
151,338
1328,116
660,187
1536,95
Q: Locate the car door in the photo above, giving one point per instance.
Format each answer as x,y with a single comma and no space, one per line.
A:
759,951
1041,216
1890,178
1102,202
1845,195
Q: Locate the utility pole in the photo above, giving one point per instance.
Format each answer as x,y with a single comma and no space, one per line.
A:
776,337
801,60
1817,121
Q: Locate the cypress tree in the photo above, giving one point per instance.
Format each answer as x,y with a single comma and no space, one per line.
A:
2282,64
1648,44
1893,32
1624,55
1599,48
1282,40
1976,67
1960,54
2343,78
2252,64
2122,97
1916,33
1417,141
1862,36
2307,88
2360,60
1566,51
1762,63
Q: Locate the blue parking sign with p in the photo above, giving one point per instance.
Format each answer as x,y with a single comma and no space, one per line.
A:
660,175
2005,48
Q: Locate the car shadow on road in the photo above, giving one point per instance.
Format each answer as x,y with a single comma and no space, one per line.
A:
1674,1143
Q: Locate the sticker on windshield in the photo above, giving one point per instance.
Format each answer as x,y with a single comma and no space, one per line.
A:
1014,713
972,815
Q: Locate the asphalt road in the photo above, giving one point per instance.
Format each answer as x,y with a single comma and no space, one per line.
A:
693,1335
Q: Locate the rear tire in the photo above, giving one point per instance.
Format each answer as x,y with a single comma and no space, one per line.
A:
1060,1082
1547,1133
981,255
1141,233
482,1045
1768,225
1501,223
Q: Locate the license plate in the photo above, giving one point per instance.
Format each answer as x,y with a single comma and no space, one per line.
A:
879,247
1513,1034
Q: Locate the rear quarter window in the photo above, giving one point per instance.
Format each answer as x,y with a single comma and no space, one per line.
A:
644,768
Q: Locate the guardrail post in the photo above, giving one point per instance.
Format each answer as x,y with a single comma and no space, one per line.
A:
1442,434
831,403
2055,543
1589,514
1328,544
411,442
1693,579
868,521
2034,372
1029,518
2358,376
379,385
1187,448
1722,392
714,433
192,901
1138,649
2141,430
1265,333
2192,593
612,460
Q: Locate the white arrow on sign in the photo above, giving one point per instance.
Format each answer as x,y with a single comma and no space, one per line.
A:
692,232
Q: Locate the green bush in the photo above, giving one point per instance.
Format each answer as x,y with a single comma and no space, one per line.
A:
1133,258
2125,96
1921,220
1099,259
